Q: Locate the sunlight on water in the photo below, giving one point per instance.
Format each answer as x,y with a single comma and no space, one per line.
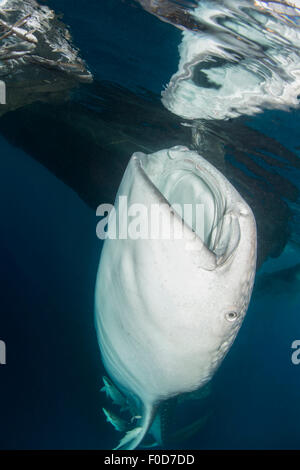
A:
236,57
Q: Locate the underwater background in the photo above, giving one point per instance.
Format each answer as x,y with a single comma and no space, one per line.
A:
50,387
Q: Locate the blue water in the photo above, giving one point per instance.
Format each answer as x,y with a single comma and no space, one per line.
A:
50,388
122,43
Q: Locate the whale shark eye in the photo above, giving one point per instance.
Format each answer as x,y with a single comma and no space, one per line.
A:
231,316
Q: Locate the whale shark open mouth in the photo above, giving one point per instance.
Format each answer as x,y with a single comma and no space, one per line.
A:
244,58
185,183
168,308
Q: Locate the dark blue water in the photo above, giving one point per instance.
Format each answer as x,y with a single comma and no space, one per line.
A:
49,388
122,43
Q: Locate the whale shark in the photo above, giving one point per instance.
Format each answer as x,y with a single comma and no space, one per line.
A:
167,310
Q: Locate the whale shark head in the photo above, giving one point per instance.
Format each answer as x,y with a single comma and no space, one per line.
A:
168,307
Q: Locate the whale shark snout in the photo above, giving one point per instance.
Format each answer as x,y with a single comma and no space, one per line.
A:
168,309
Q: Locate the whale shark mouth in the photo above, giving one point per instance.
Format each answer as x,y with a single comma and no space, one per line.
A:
244,58
188,183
